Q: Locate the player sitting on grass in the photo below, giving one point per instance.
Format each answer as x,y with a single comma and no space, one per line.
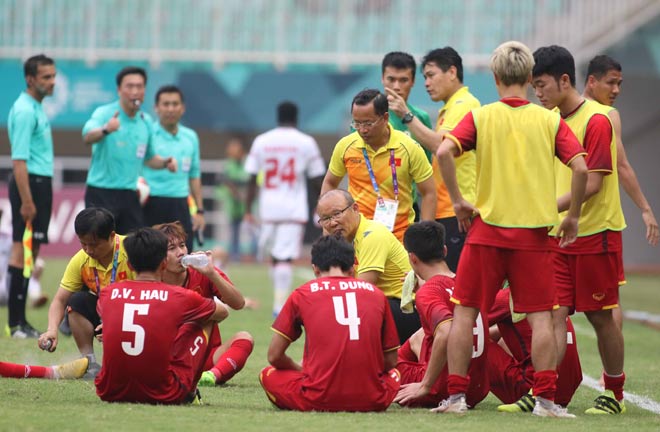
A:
350,340
71,370
423,358
510,369
155,336
227,359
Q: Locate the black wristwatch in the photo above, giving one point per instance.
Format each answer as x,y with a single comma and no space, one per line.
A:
407,118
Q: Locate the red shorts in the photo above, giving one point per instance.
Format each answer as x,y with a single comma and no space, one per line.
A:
509,378
588,282
189,353
215,341
482,270
284,389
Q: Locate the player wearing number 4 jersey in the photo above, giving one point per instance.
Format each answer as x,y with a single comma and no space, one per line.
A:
350,340
287,157
155,335
423,358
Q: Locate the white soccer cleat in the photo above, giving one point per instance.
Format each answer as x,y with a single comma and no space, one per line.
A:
458,406
548,408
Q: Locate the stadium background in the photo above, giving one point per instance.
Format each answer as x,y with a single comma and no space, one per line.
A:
236,59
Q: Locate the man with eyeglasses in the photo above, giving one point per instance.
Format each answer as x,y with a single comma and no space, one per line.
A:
382,164
380,258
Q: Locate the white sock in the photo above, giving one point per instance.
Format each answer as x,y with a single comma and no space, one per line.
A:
282,276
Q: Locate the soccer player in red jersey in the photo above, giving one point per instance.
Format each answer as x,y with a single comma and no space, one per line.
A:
603,85
510,369
588,271
155,335
350,340
227,359
424,382
516,144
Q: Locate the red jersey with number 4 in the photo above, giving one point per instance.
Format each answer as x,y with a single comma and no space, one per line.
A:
348,325
435,308
140,323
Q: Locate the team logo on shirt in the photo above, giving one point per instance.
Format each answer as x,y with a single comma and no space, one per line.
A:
598,296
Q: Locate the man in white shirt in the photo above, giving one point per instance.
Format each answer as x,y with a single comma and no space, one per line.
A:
287,158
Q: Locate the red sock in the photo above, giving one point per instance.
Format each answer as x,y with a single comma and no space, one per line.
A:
615,384
13,370
545,384
457,384
232,361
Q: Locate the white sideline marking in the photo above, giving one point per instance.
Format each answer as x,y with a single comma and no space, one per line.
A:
641,401
642,316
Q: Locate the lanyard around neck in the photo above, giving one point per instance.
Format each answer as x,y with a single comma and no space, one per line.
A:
372,176
115,264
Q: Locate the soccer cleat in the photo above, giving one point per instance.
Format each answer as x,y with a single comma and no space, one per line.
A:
207,379
457,406
22,331
92,370
550,409
71,370
524,404
196,398
39,301
606,403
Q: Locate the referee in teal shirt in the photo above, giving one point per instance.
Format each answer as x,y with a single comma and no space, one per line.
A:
120,136
168,198
30,186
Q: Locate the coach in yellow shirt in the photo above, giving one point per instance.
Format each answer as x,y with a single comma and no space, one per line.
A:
443,78
381,164
101,261
379,257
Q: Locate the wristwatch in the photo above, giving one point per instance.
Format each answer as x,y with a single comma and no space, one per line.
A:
407,118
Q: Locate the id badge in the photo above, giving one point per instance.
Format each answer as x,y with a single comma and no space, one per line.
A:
386,212
185,164
141,151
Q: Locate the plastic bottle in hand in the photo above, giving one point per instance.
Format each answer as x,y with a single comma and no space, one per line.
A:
197,260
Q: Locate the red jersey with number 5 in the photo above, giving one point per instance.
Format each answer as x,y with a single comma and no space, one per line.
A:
140,323
287,157
348,325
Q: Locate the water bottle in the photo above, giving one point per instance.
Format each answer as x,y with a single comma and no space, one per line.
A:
197,260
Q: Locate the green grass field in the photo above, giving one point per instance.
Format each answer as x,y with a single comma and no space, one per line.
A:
27,405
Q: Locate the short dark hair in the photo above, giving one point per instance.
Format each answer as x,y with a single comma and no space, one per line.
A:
131,70
444,58
170,88
555,61
600,65
172,230
31,65
287,113
366,96
146,249
97,221
426,239
399,60
333,251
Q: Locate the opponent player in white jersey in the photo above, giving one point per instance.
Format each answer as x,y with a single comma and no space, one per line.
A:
287,158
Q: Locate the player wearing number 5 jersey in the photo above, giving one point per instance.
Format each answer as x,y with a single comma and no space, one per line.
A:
155,335
287,158
350,340
423,358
